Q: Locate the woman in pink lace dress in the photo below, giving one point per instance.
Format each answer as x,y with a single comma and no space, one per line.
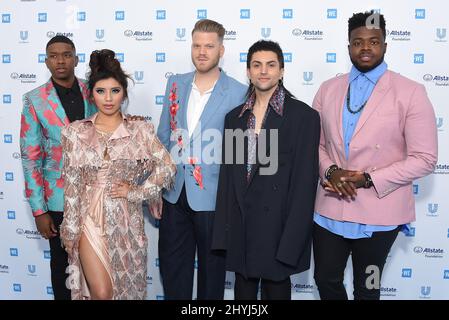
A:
111,165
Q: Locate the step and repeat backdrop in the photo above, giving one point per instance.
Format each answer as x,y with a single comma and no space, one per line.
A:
152,40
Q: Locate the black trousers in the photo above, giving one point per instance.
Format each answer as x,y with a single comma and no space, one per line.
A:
331,253
246,289
58,262
182,231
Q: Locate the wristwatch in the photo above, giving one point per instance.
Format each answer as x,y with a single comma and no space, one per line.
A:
368,181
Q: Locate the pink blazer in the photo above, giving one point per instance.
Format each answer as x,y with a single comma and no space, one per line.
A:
395,141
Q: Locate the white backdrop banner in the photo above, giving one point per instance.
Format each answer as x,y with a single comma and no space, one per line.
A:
152,40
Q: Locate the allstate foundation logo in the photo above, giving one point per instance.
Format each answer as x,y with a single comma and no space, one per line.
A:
303,288
24,77
141,35
29,234
138,76
168,74
31,270
149,280
308,34
432,210
441,35
51,34
441,169
425,292
24,35
307,76
399,35
429,252
230,35
438,80
388,291
99,35
4,268
265,32
180,34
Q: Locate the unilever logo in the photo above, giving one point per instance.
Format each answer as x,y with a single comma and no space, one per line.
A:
265,32
181,34
23,35
399,35
99,35
138,76
31,269
307,76
441,35
432,210
308,34
425,292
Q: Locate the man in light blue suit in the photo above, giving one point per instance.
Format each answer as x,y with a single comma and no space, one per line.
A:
191,128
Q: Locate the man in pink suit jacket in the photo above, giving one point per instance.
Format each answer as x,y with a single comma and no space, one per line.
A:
378,135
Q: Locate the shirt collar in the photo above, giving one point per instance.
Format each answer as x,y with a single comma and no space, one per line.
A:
276,102
372,75
73,88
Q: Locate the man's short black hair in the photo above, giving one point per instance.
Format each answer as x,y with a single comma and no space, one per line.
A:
367,19
60,38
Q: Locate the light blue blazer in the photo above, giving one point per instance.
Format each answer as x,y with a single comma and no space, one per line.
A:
205,141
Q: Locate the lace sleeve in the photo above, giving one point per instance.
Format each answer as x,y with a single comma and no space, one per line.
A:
161,167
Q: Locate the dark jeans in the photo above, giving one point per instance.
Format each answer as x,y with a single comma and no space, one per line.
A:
246,289
58,262
181,232
331,253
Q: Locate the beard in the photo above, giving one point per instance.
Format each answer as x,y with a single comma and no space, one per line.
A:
365,69
211,64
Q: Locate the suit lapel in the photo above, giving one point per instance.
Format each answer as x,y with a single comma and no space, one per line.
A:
340,96
239,170
90,137
373,102
55,104
89,107
184,95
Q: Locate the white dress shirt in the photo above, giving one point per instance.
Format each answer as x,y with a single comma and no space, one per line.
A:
196,105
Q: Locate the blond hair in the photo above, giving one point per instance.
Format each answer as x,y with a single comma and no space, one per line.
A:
207,25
